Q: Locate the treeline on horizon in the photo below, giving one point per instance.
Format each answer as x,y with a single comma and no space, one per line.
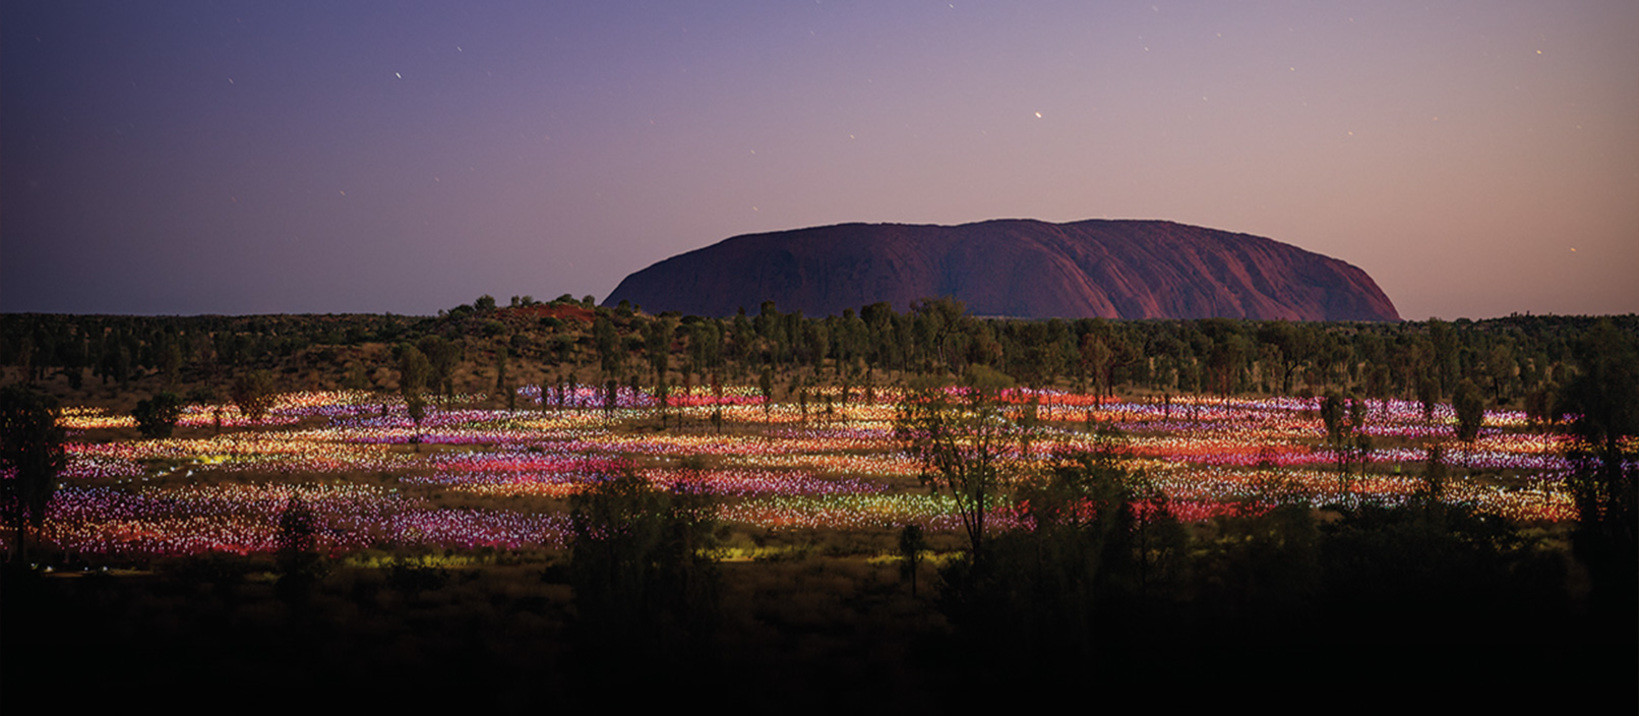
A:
1518,361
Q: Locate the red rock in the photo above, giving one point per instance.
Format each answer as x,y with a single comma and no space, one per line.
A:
1014,267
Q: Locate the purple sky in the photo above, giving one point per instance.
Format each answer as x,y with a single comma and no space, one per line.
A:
1476,158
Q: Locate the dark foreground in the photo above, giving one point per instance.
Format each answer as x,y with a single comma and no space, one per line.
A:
816,634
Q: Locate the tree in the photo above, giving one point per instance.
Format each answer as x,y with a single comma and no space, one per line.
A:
442,357
657,342
296,550
416,407
1428,394
1469,407
1602,405
413,372
1227,358
1334,414
607,339
1500,367
705,345
642,569
253,393
1434,477
1295,347
170,362
765,383
1095,359
912,543
156,417
502,385
1346,436
1095,540
1361,439
938,321
958,437
1443,342
31,455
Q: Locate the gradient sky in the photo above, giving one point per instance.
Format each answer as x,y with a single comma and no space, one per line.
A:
1476,158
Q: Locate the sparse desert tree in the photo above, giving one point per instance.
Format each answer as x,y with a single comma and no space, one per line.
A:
1346,436
1095,534
413,372
31,455
1469,407
642,567
959,438
442,356
1601,405
503,386
912,543
157,416
296,550
611,355
1334,415
1360,439
765,383
657,342
253,393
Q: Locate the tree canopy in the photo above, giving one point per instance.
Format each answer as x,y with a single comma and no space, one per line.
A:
31,455
157,416
958,437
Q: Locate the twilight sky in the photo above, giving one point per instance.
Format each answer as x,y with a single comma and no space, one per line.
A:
1477,157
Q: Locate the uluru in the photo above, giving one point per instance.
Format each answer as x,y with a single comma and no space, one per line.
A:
1015,268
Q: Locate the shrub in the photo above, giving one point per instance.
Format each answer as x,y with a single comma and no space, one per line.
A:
156,417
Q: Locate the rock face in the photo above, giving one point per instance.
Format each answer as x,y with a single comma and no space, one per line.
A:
1014,267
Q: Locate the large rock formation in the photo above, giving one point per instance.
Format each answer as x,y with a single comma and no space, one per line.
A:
1014,267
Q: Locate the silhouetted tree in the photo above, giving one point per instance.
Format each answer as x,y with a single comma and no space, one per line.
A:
413,372
1334,414
1053,593
642,569
1428,395
1602,406
1360,441
912,543
296,550
1469,408
31,455
959,438
156,417
253,393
